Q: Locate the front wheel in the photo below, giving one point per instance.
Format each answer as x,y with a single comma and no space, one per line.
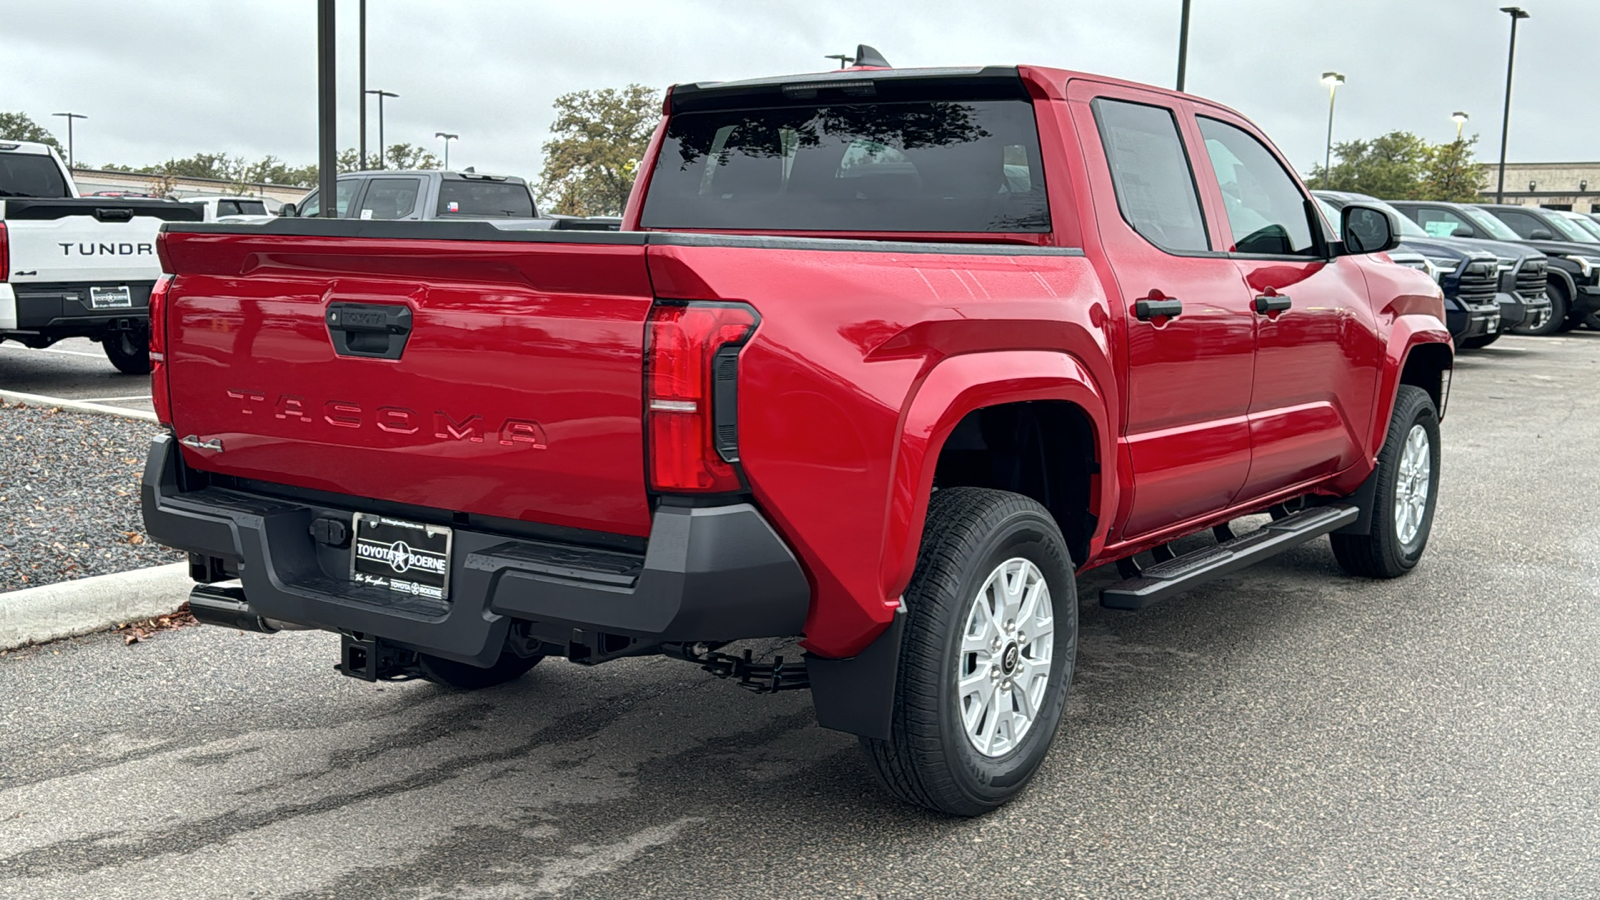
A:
1407,490
129,351
990,639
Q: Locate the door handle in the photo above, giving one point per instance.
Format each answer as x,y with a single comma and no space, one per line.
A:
378,330
1273,303
1169,308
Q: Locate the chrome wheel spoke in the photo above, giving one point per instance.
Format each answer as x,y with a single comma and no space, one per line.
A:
1413,482
1003,669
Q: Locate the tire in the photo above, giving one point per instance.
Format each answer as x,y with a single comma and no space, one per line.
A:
1560,306
463,677
1479,342
1393,548
129,352
974,536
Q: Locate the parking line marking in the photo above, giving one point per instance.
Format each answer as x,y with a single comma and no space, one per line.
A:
110,399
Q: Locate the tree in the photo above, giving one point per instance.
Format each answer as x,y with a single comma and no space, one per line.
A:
600,136
406,156
15,126
1451,174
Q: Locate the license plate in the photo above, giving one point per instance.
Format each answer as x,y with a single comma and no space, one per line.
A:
110,298
404,557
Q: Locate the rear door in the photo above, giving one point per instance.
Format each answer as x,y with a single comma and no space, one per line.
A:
498,377
1189,375
1317,343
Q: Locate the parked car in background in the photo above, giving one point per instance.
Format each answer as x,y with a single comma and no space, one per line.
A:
231,209
1572,268
75,266
415,195
1479,279
885,387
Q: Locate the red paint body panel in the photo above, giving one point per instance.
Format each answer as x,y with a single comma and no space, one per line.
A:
863,363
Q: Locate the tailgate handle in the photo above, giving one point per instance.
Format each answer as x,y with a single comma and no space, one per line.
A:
376,330
109,214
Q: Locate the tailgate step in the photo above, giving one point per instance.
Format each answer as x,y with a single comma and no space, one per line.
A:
1191,570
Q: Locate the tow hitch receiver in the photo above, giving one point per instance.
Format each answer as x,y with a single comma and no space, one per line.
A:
374,659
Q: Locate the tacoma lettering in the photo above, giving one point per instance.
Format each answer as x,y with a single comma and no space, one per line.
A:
525,434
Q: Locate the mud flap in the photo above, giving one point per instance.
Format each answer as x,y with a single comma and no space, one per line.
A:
856,695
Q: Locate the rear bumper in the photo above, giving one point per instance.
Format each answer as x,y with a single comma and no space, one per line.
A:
65,310
707,574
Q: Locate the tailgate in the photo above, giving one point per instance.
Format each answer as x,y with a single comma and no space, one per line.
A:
498,377
87,239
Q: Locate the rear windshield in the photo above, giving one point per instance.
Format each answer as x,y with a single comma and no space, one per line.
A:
31,175
241,208
462,197
969,166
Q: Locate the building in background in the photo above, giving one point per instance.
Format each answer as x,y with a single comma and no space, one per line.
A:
92,181
1553,185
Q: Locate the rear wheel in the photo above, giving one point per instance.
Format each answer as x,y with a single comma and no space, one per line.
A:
464,677
1407,490
129,351
990,639
1560,306
1479,342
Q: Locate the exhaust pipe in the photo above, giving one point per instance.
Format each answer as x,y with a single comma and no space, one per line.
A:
224,605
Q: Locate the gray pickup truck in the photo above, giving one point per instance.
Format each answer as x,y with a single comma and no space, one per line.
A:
426,194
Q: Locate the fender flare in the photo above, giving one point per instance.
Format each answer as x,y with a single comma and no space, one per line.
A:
959,385
1567,279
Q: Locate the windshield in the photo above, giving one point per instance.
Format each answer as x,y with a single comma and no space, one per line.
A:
1586,223
1570,230
968,166
31,175
1496,229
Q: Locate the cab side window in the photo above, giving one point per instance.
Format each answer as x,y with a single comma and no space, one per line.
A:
1266,211
390,198
1150,171
1522,223
346,190
1441,222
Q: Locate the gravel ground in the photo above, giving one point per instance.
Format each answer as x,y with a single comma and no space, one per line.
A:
69,497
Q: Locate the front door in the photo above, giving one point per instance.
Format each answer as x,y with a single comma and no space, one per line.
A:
1317,344
1189,333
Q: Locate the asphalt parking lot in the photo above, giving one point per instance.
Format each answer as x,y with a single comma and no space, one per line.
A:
73,369
1287,732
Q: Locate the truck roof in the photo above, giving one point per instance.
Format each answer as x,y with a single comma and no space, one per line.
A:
9,146
441,173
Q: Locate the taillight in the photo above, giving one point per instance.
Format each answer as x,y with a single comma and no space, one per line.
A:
691,394
5,254
159,397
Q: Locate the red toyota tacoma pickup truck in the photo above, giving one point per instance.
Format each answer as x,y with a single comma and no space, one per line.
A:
880,359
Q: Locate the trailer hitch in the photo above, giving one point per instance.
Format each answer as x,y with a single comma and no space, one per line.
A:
759,677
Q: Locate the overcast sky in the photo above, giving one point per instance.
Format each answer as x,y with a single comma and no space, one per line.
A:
164,78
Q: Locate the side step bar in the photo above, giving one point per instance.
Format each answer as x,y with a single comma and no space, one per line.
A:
1191,570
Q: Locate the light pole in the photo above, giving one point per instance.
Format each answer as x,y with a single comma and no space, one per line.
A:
361,31
1460,118
327,111
1332,80
448,137
1183,44
69,116
382,148
1515,12
843,58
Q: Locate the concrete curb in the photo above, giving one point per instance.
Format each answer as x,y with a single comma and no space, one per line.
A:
76,405
54,611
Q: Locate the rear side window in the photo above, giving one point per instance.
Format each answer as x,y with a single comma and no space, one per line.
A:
1266,210
31,175
390,198
958,166
241,208
464,197
1150,172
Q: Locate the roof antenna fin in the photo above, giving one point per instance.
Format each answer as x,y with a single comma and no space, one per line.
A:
869,56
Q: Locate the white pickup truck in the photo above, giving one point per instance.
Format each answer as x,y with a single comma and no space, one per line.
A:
75,266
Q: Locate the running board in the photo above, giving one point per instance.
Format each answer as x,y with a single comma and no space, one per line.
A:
1191,570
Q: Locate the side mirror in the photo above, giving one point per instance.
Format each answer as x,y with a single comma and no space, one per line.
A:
288,210
1540,234
1462,231
1367,229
